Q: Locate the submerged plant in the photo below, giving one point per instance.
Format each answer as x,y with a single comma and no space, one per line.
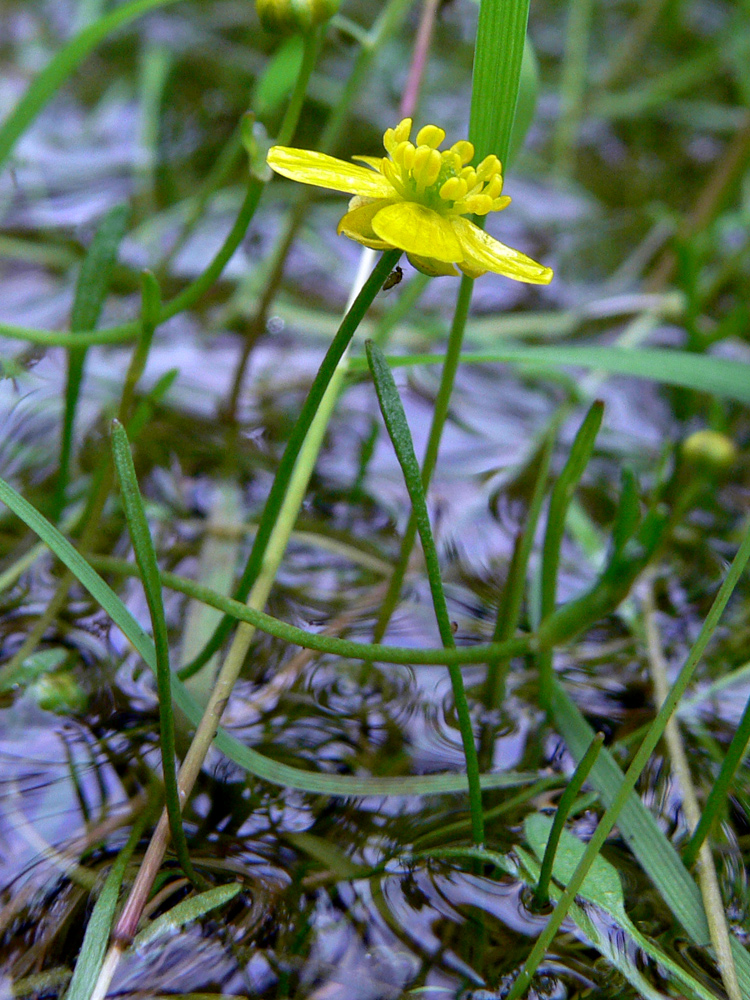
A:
416,199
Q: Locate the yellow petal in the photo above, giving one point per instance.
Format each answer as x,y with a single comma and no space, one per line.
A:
419,230
357,223
482,252
326,171
431,267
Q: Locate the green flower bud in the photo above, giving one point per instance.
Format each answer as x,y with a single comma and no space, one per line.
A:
59,692
709,450
285,17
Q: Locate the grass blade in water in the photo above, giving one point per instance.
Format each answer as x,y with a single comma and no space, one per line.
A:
146,558
398,429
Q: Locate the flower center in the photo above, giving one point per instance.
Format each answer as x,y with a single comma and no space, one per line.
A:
441,179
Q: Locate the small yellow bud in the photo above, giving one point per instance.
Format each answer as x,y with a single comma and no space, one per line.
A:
709,450
285,17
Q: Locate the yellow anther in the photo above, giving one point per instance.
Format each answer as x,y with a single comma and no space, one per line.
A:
470,176
407,157
421,157
425,169
490,165
464,150
500,203
397,153
430,136
389,140
433,168
403,130
452,161
479,204
494,186
453,189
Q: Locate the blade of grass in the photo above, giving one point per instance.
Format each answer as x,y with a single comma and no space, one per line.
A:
91,291
252,761
728,379
707,878
509,607
294,444
498,54
95,940
398,429
717,797
60,67
145,555
562,493
681,895
568,797
185,912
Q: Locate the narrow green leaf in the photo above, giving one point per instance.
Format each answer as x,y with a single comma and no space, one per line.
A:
564,806
562,493
145,555
602,886
335,352
498,54
251,760
398,429
275,83
185,912
717,797
728,379
602,883
99,926
509,606
49,81
628,514
96,270
91,291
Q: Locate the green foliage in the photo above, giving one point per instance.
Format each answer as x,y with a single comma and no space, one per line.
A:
641,137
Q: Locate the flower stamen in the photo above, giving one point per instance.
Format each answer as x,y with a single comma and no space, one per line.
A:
415,198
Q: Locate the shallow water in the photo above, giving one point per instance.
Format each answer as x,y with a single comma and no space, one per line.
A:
313,918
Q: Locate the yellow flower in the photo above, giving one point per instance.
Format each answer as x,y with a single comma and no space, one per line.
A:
415,200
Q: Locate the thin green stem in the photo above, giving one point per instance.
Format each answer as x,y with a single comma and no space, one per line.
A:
398,428
719,789
318,641
276,527
633,773
296,439
439,415
145,554
572,85
509,606
313,43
